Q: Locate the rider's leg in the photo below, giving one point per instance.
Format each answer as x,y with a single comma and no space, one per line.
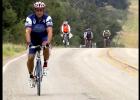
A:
108,41
85,41
104,42
63,37
30,62
46,54
90,43
30,65
46,58
68,38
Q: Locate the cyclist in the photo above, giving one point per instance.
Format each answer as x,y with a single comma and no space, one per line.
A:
65,29
88,35
106,35
39,31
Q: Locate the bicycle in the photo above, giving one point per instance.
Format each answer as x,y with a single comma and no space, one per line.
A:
106,41
66,39
88,43
38,69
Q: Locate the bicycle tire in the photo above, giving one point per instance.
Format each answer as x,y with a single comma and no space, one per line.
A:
108,42
88,44
38,87
65,41
105,43
38,72
65,44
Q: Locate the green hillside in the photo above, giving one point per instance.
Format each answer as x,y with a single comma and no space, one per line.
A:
129,36
81,14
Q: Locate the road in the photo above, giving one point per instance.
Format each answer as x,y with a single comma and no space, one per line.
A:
74,74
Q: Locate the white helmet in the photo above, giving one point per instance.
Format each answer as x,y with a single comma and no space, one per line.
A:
39,4
107,30
65,22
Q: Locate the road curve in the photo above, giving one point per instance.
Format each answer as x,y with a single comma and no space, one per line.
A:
127,56
74,74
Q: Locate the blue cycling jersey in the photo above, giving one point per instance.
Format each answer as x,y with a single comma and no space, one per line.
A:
38,33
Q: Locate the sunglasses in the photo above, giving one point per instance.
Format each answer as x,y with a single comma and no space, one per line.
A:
39,10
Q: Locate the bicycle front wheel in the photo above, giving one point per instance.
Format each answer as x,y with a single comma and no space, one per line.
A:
39,74
38,87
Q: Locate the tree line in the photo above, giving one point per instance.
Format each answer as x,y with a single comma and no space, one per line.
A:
81,14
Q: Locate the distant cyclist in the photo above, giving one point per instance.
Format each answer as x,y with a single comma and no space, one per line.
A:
88,36
39,31
106,36
66,29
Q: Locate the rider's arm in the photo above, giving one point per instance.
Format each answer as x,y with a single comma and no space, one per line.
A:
49,28
27,35
92,35
103,33
109,32
28,26
69,28
62,29
50,33
85,34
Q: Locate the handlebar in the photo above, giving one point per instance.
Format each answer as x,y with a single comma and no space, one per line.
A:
39,47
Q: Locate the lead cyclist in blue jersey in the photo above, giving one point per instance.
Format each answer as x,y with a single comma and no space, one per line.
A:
39,31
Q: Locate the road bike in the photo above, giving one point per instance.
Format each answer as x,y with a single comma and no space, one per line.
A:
38,72
66,39
88,43
106,41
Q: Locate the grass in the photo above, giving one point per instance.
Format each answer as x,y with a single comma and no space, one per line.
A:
130,40
11,50
129,35
132,23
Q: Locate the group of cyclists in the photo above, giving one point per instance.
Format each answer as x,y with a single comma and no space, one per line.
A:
66,32
39,31
87,35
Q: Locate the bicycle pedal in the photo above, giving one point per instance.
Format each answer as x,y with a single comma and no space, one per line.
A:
44,74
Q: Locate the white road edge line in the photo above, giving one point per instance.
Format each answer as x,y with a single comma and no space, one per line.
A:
6,65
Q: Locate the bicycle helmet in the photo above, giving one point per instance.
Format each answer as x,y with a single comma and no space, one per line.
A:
88,29
39,4
65,22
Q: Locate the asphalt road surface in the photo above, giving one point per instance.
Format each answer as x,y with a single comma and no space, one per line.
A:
74,74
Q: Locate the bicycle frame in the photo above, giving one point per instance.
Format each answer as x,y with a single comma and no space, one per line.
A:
88,43
65,38
38,73
106,41
38,69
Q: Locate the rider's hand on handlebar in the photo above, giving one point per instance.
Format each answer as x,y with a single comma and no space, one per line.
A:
28,44
45,43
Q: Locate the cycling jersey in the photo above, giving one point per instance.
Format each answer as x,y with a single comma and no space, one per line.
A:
38,33
65,29
88,35
106,33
